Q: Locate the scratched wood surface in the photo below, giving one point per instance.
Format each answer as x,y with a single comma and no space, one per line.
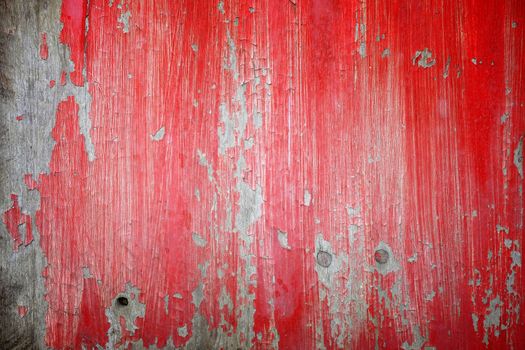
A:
314,174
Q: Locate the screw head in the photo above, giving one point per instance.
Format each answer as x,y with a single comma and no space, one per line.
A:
324,258
381,256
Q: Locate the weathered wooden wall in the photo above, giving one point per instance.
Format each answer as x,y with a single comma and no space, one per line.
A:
291,174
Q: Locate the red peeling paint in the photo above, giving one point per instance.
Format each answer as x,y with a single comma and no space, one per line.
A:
63,78
30,182
92,322
75,20
362,141
13,220
63,240
44,50
22,310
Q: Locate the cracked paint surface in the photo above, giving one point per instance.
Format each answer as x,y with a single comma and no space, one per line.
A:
221,174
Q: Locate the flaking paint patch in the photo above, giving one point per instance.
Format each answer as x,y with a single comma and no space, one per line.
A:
475,321
500,228
159,135
182,331
345,310
353,211
203,323
424,58
204,162
282,237
166,303
197,295
504,117
226,131
232,133
225,300
27,145
509,282
418,341
518,157
447,68
352,231
516,258
413,258
220,7
130,312
276,338
307,198
430,296
362,49
319,335
86,273
249,209
492,320
198,240
123,19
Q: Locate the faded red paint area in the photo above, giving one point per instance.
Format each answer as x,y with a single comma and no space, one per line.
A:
381,122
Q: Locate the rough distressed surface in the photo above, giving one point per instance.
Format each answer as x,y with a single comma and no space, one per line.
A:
262,174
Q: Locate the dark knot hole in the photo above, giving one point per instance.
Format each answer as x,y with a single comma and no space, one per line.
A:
122,301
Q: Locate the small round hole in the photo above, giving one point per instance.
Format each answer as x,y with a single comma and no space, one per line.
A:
381,256
122,301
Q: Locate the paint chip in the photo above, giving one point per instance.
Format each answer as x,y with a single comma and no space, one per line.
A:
362,50
22,310
504,117
86,273
424,58
447,67
500,228
220,7
430,296
159,135
518,157
124,20
182,331
307,198
283,239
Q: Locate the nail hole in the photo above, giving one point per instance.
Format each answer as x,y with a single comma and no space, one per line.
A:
122,301
381,256
324,258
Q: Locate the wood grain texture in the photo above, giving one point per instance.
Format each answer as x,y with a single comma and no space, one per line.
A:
322,174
